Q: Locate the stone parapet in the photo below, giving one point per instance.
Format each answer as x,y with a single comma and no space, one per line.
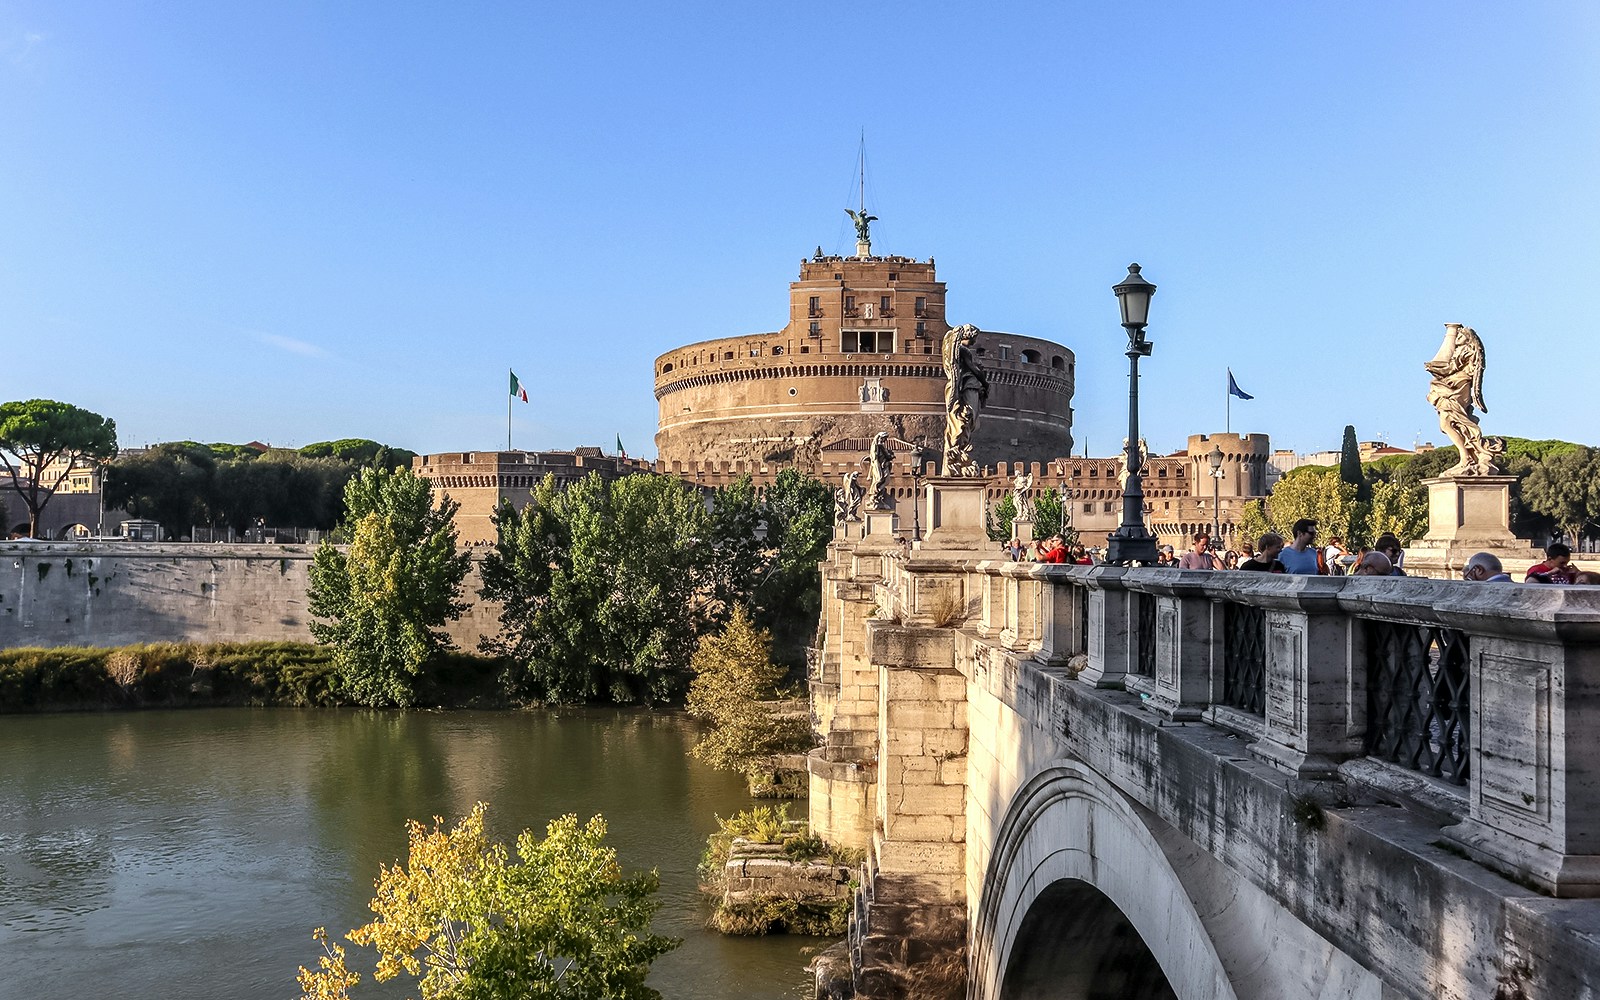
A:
1247,726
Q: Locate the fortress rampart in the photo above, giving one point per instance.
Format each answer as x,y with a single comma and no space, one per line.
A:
860,354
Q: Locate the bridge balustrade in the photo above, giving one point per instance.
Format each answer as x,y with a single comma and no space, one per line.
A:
1492,689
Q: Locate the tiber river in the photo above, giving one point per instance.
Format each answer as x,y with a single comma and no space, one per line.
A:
185,854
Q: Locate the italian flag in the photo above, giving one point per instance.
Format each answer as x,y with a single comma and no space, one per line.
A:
517,388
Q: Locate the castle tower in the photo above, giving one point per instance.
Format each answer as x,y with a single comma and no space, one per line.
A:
860,353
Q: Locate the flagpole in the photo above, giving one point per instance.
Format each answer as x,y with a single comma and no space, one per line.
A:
508,421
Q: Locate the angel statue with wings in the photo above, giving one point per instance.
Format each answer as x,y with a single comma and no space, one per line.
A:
862,221
1457,388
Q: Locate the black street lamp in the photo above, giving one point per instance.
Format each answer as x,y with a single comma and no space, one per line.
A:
1132,542
1215,458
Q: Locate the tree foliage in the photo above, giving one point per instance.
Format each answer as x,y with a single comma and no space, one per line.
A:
381,605
1350,465
734,683
185,483
602,586
1318,494
605,587
467,921
786,595
1565,489
35,433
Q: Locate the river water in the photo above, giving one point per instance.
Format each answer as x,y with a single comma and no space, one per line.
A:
190,853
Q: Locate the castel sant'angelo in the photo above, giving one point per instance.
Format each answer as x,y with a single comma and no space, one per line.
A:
860,354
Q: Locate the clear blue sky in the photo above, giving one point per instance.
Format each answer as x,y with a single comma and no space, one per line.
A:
283,221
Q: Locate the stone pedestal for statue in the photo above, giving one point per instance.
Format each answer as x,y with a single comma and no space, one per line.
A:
1466,515
863,248
1022,529
954,513
881,525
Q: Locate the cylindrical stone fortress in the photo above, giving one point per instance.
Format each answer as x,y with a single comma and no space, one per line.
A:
860,354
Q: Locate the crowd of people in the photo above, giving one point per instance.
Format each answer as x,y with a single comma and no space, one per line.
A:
1301,554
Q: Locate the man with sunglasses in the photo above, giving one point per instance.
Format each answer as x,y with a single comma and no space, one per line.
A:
1389,545
1301,555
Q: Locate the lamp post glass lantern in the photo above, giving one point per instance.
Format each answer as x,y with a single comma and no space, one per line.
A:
1215,458
1132,542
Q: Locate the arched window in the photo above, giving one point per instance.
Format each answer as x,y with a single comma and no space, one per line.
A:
666,368
1031,357
1058,362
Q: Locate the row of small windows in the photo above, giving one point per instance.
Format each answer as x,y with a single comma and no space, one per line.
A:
885,305
1094,472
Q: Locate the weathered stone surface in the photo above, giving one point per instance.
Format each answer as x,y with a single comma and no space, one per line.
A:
1243,880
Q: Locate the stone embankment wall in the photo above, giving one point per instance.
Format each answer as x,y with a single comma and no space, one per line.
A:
112,594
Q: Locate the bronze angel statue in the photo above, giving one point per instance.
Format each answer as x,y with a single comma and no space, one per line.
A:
1456,389
862,221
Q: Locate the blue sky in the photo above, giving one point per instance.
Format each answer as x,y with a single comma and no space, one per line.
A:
301,221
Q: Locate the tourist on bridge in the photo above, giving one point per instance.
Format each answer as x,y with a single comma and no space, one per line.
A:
1301,555
1265,558
1373,563
1557,566
1484,567
1199,556
1332,555
1389,545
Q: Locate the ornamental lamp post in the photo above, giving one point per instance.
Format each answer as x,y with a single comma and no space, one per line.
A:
1215,458
1132,542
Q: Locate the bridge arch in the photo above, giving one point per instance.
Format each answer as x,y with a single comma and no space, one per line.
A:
1074,857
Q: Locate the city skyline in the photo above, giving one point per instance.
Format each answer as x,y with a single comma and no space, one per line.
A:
292,224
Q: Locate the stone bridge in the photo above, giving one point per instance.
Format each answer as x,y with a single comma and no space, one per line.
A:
1099,782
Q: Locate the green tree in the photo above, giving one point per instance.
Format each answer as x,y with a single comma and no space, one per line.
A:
998,518
734,683
1049,518
739,558
1399,507
169,483
1316,493
1253,522
36,433
603,588
361,452
381,605
1350,465
466,921
787,600
1565,488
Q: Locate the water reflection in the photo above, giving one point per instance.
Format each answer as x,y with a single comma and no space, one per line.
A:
173,854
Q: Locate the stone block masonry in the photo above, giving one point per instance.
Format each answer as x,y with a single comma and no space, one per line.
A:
119,593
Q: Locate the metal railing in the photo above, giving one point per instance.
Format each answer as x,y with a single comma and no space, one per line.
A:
1419,698
1145,612
1244,657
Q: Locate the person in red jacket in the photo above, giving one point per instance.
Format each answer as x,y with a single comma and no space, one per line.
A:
1556,568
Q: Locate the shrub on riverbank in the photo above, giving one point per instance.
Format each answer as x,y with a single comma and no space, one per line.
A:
289,674
785,880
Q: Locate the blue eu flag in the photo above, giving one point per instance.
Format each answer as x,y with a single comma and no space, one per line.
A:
1233,388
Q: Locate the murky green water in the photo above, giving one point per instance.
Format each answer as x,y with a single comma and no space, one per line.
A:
190,853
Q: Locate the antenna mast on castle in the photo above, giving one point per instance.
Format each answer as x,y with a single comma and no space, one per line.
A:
860,216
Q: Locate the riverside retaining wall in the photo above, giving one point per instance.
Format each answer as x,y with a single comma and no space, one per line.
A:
116,593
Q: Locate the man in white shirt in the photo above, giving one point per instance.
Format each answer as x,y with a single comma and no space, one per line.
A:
1332,554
